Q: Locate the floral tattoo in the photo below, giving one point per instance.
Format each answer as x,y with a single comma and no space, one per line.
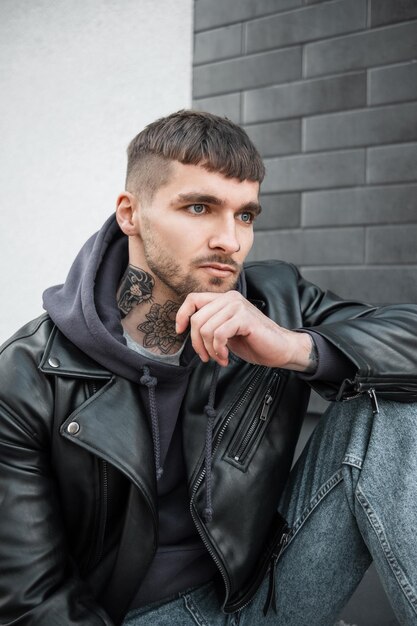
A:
136,287
159,329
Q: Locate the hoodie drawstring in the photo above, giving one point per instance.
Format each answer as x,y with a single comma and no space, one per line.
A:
211,413
151,382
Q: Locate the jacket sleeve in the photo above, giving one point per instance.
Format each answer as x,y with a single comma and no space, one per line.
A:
38,582
381,342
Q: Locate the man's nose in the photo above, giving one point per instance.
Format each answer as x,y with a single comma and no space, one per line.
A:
225,238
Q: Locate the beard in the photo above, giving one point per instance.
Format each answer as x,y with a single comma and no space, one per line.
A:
183,282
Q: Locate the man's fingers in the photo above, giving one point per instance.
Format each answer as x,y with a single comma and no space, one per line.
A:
214,319
191,304
194,302
207,333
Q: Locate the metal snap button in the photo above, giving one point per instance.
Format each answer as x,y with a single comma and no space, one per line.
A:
54,362
73,428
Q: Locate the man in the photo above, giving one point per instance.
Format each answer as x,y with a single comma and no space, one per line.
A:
148,420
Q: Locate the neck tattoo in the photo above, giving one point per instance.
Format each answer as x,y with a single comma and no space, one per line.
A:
136,287
159,328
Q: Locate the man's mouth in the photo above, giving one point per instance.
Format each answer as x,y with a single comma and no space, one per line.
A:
221,270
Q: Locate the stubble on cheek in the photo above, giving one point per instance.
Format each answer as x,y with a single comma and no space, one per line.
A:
183,279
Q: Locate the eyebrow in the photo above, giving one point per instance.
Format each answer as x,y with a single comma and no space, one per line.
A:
202,198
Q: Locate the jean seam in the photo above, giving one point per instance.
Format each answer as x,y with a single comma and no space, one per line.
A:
193,609
334,480
376,525
350,459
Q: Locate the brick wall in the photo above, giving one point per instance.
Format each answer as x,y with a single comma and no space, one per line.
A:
328,92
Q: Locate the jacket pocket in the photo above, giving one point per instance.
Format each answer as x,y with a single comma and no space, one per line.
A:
249,433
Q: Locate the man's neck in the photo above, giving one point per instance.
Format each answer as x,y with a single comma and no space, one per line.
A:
149,313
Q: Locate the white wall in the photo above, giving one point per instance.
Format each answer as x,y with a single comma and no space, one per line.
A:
78,80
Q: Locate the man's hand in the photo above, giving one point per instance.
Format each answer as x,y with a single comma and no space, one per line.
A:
223,321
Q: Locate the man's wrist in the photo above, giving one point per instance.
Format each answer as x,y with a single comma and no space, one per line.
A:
305,354
313,357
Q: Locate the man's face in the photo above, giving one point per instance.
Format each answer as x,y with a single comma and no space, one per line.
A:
197,230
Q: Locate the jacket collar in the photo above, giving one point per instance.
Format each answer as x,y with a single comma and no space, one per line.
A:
64,358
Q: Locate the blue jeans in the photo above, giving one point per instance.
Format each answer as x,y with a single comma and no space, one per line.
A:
350,499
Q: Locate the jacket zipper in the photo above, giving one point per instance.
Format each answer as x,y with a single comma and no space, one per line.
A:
102,522
200,478
242,447
360,389
271,599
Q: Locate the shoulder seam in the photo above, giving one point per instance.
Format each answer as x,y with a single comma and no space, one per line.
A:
44,318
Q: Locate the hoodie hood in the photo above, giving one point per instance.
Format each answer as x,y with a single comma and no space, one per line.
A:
85,308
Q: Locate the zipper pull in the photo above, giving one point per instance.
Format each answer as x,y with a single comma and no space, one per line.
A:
265,407
374,401
271,599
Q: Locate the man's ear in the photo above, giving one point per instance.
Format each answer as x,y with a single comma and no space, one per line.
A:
127,206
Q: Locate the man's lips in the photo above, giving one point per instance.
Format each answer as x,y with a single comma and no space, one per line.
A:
218,269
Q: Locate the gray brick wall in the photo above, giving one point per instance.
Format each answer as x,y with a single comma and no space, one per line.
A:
327,90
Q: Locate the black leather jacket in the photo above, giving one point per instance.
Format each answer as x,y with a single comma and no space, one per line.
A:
78,520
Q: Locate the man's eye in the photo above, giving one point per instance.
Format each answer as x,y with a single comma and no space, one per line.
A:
247,218
197,209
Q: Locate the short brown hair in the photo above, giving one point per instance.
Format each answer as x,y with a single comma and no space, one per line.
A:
190,137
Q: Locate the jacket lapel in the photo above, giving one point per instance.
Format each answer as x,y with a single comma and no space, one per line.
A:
112,423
